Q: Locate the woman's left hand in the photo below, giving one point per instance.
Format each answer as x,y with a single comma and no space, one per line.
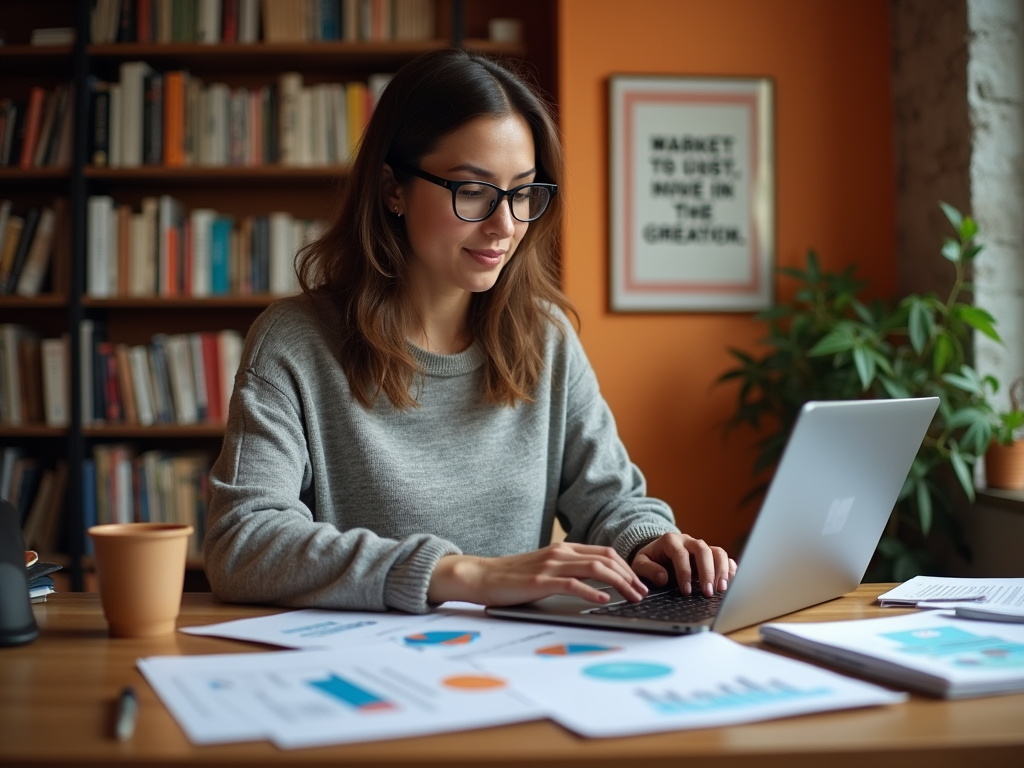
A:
681,552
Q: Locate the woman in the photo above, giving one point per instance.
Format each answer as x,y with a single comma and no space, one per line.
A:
405,432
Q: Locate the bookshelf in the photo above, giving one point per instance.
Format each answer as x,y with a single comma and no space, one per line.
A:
240,193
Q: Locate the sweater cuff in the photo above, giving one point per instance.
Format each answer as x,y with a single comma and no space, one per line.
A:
406,585
634,539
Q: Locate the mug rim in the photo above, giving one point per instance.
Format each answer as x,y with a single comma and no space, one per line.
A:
150,530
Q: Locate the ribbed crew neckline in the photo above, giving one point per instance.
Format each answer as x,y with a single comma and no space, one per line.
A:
446,366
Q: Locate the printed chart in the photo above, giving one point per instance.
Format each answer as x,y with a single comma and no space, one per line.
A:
696,681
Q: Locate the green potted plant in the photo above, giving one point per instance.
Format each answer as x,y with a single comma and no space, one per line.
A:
829,344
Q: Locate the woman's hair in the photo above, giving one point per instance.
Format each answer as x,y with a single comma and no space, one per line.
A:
362,259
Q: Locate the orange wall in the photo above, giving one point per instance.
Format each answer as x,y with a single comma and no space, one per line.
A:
829,60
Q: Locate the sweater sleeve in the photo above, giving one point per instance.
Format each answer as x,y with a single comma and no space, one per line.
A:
264,542
603,497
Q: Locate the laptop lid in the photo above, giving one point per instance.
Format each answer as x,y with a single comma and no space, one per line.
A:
826,508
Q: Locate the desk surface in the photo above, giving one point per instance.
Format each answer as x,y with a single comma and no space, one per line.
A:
57,699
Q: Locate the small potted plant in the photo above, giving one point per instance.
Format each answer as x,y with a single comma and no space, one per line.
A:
1004,460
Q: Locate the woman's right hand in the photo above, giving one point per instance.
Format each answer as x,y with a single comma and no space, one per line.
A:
558,569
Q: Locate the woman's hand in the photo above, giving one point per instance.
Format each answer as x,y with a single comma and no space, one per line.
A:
558,569
675,550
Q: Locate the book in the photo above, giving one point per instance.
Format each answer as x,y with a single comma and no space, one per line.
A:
171,219
32,125
37,259
174,118
163,406
12,236
201,235
17,264
99,122
11,336
125,385
289,90
31,378
101,273
56,366
182,378
220,257
132,80
929,651
153,119
142,383
230,356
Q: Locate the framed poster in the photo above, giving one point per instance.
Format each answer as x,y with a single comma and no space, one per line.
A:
692,194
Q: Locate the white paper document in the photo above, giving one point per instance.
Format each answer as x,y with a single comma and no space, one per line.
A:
931,651
313,698
458,631
948,592
697,681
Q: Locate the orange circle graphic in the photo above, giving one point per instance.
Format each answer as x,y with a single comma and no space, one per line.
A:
474,683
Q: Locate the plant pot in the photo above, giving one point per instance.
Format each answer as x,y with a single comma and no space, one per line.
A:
1004,466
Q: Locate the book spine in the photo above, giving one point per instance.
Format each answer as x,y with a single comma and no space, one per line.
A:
21,254
56,357
38,259
33,119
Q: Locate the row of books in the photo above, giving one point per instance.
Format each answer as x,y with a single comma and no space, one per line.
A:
36,489
248,21
174,119
37,132
122,485
27,242
34,380
165,250
179,378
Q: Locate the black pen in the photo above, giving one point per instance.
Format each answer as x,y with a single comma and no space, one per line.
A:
127,711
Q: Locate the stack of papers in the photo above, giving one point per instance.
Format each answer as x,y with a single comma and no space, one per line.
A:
368,676
992,599
932,651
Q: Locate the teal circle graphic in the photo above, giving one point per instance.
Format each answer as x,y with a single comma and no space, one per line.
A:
627,670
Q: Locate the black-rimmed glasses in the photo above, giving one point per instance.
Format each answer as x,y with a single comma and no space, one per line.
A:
476,200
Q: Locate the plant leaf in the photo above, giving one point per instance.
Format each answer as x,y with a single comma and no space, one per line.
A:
920,325
979,320
837,341
943,352
924,507
951,249
865,363
963,472
954,216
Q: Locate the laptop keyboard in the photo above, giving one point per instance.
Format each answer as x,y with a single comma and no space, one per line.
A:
671,605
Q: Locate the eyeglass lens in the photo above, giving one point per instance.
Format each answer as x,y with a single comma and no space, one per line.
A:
476,201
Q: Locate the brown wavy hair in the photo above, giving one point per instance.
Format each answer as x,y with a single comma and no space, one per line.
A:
361,260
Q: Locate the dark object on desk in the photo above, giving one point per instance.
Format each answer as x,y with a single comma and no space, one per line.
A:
17,624
127,713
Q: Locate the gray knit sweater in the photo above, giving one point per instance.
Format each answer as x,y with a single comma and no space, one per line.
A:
319,502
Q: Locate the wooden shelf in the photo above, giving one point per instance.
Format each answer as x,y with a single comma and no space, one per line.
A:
183,431
8,431
34,174
192,174
35,51
182,302
42,301
269,56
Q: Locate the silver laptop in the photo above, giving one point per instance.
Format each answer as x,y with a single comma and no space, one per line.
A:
825,511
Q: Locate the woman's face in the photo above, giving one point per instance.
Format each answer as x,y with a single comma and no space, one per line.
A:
451,257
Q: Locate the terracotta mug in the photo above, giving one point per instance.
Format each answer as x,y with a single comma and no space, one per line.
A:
141,573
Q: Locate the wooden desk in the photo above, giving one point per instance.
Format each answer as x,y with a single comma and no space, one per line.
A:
57,700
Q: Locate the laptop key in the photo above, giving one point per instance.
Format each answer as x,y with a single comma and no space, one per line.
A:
671,606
